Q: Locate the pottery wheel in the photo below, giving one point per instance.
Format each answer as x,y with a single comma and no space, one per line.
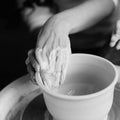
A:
36,110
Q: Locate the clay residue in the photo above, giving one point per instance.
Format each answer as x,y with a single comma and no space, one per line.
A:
53,71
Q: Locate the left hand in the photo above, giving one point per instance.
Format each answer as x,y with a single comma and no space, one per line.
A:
52,52
54,34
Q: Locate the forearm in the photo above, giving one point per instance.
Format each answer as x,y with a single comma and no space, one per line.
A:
85,15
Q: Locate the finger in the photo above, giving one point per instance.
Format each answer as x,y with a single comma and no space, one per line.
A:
48,46
32,60
67,45
40,57
47,49
55,44
52,60
64,66
46,78
63,74
113,41
58,60
38,54
39,80
41,39
58,65
118,45
44,56
50,53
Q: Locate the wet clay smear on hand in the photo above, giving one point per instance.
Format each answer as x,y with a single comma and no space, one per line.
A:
53,71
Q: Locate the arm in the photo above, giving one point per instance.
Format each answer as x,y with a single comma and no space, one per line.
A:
57,28
73,20
85,15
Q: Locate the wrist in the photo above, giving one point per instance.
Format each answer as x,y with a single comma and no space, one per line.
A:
61,24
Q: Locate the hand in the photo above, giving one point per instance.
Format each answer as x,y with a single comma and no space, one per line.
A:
52,51
54,34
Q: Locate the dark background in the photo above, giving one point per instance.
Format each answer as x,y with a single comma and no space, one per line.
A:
15,41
